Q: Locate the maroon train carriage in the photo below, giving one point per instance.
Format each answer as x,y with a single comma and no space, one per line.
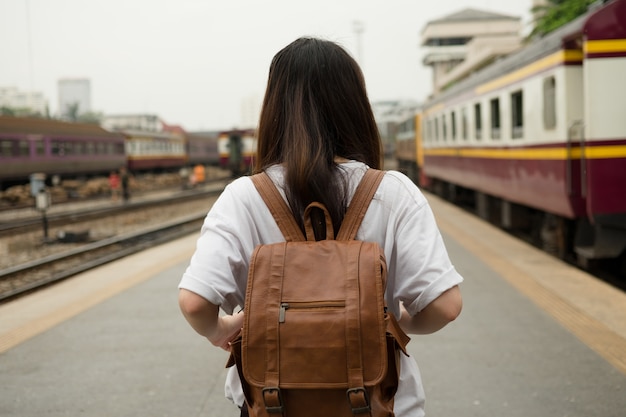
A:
202,148
541,134
52,147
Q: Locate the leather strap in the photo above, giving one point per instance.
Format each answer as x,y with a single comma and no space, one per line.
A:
351,222
359,204
271,392
278,207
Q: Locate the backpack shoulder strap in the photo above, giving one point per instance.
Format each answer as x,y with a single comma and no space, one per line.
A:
359,203
278,207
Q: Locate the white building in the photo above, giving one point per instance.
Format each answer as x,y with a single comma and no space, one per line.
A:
33,102
143,122
464,41
250,111
72,92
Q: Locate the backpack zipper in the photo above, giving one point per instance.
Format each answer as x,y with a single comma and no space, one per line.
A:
307,305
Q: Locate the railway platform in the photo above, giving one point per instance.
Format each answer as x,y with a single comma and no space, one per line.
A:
536,338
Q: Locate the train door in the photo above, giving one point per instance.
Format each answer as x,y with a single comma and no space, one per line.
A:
570,94
235,154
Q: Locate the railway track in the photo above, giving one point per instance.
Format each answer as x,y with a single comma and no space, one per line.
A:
18,280
59,219
28,277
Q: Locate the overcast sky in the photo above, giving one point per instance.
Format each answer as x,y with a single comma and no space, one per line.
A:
193,62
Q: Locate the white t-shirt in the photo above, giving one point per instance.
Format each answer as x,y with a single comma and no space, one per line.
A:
398,218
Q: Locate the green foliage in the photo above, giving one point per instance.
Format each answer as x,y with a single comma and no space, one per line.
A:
556,13
90,118
72,111
20,112
6,111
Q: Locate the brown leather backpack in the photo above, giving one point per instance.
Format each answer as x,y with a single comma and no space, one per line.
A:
317,339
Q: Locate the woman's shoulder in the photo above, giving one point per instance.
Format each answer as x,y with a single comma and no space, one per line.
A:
398,187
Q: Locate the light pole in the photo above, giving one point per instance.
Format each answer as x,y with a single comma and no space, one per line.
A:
358,28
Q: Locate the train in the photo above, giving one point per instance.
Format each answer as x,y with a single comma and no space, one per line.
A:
71,150
536,141
237,148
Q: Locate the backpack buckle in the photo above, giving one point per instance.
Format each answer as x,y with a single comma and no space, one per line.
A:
362,403
273,400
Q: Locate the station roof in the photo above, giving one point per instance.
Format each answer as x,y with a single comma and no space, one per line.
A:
41,126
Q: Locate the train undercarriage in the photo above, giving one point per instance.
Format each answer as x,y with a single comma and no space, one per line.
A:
577,241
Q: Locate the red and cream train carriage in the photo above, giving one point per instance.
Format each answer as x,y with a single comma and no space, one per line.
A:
542,134
147,150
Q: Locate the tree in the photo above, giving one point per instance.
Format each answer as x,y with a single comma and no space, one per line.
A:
90,118
6,111
71,111
556,13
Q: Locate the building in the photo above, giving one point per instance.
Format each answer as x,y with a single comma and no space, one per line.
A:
74,97
250,111
21,102
142,122
462,42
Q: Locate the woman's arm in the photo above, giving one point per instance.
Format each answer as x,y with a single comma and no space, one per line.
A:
435,315
204,318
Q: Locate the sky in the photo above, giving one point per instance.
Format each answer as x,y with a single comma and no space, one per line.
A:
194,62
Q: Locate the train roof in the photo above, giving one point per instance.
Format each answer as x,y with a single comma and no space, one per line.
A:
204,134
134,133
39,126
250,131
539,48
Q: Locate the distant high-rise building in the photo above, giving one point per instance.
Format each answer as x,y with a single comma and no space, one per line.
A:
23,102
250,111
74,97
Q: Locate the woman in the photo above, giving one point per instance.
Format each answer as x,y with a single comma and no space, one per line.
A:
316,138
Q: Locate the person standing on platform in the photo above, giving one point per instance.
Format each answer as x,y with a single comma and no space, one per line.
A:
199,174
316,138
125,179
114,185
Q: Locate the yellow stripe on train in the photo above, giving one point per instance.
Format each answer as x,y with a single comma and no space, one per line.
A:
595,152
605,46
552,60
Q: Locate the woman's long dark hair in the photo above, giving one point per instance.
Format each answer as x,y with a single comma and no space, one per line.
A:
316,108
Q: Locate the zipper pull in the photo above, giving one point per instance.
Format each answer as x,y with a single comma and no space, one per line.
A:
281,312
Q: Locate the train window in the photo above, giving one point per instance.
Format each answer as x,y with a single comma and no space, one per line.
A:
90,148
100,148
24,148
40,147
6,148
429,130
464,123
549,103
478,122
444,131
436,122
494,106
56,148
517,115
453,125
